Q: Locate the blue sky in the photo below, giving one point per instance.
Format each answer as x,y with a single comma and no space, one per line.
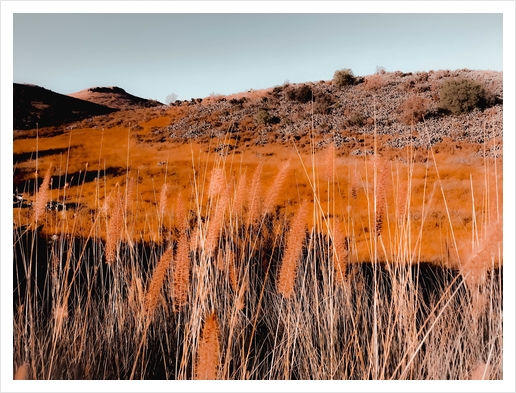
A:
194,55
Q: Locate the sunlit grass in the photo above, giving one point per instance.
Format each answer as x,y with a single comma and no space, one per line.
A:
159,263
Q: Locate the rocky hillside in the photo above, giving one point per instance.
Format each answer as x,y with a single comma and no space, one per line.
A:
402,108
381,102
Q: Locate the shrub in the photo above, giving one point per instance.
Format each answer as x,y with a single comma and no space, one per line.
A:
344,77
356,120
414,109
301,93
237,101
262,117
323,104
461,95
374,82
277,90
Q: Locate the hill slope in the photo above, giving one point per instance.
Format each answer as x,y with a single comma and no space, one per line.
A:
114,97
34,104
342,116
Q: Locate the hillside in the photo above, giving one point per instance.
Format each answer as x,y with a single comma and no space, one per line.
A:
170,145
340,115
33,104
114,97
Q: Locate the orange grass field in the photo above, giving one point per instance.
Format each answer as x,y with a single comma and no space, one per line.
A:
443,194
175,259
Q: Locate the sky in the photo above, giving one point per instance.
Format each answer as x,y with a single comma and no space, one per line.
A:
195,55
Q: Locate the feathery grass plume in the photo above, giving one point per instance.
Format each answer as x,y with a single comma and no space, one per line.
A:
485,256
340,255
181,275
217,182
219,262
22,373
129,192
382,175
55,268
163,200
240,196
208,350
329,163
42,196
294,246
114,229
272,194
195,239
157,280
355,183
253,198
216,223
181,213
104,209
401,199
240,301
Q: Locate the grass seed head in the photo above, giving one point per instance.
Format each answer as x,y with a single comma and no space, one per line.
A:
209,350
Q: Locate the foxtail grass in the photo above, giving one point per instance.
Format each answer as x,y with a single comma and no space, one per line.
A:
274,191
156,284
208,352
181,274
293,250
42,197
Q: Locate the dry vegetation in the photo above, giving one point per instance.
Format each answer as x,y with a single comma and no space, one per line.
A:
218,256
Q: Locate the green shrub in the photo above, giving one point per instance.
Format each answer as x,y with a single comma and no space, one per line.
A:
344,77
262,117
461,95
302,93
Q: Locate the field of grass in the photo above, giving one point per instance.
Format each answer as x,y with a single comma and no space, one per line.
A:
282,261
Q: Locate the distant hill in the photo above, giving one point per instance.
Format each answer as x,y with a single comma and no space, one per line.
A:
34,104
114,97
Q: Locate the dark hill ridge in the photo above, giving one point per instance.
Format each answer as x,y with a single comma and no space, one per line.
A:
114,97
34,104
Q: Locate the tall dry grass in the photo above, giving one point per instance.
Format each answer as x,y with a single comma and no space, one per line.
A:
42,197
227,290
156,283
293,250
209,350
115,228
181,274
